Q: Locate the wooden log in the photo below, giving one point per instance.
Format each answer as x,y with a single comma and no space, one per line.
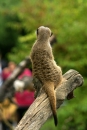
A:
40,110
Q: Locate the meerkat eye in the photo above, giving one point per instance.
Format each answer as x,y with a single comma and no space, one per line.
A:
51,34
37,31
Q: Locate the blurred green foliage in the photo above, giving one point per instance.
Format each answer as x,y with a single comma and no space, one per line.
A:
68,21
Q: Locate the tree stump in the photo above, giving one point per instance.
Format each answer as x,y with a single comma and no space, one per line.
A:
40,110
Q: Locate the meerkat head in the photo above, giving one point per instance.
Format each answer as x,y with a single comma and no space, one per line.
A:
44,32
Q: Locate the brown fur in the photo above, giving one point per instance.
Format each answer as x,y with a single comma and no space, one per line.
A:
44,67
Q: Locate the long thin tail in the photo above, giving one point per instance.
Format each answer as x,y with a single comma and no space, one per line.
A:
49,88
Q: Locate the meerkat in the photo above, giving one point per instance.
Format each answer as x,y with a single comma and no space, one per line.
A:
44,66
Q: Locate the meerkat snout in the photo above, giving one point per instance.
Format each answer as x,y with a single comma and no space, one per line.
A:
51,34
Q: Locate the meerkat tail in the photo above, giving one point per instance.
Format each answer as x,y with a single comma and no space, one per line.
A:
49,89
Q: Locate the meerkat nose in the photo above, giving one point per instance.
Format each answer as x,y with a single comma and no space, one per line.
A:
51,34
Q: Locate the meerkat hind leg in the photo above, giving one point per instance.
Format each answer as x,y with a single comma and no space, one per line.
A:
37,86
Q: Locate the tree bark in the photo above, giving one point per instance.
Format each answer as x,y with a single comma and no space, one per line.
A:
40,110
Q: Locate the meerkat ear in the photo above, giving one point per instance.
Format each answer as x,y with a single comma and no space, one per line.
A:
37,31
51,34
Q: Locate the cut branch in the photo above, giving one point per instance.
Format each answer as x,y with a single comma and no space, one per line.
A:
40,110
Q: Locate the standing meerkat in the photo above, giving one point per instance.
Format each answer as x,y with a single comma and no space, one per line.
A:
44,67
